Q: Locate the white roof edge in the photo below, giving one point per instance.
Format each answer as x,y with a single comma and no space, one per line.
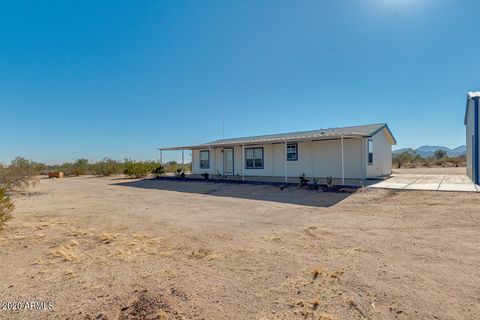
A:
474,94
269,140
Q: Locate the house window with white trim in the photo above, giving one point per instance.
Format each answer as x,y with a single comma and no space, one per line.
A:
254,158
370,152
204,159
292,152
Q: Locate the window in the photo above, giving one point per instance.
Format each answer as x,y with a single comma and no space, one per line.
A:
204,159
292,152
254,158
370,151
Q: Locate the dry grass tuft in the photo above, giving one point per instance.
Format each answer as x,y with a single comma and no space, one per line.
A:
316,304
70,274
106,237
162,315
327,317
273,238
200,254
336,274
316,272
66,252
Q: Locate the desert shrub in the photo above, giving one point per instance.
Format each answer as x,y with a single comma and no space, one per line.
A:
106,167
220,176
139,169
442,162
406,157
159,171
80,167
458,161
303,180
179,173
66,168
440,154
329,182
173,166
19,174
6,206
314,185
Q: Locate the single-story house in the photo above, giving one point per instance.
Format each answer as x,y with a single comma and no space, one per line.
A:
472,119
358,152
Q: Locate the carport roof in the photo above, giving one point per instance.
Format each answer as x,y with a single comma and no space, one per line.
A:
330,133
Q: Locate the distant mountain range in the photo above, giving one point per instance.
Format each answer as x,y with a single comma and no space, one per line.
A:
428,151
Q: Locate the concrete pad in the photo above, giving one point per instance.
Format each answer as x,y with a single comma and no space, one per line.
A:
470,187
427,182
457,179
388,185
432,182
400,181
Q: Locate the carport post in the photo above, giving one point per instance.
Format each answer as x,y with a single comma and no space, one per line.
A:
343,163
286,173
183,161
213,160
209,162
243,162
160,156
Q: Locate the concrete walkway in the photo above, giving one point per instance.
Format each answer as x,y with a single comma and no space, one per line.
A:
433,182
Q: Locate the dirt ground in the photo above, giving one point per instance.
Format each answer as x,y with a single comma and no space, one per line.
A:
433,170
113,248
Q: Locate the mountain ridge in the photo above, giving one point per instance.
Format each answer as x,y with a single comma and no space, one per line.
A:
428,151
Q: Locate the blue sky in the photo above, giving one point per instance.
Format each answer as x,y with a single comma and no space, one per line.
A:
121,78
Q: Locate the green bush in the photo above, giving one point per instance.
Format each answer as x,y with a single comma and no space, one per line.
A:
6,206
80,167
66,168
107,167
303,180
440,154
158,171
405,158
19,174
139,169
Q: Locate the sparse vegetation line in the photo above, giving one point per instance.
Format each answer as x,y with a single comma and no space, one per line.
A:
411,159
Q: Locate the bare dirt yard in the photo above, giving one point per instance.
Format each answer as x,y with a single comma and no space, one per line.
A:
113,248
433,170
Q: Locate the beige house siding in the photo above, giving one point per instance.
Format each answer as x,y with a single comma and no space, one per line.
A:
315,159
382,156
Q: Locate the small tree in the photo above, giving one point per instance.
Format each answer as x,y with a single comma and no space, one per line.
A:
404,158
440,154
80,167
139,169
18,175
106,167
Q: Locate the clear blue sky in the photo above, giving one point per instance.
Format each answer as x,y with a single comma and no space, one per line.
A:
121,78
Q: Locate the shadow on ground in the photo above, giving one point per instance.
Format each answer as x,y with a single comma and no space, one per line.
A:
291,195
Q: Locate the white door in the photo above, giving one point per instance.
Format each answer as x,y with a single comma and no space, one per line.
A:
228,161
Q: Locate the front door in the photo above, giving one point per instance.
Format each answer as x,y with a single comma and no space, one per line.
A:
228,161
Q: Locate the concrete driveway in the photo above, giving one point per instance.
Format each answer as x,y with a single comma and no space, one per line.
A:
434,182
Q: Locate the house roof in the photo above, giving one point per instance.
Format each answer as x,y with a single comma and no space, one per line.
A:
470,96
321,134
